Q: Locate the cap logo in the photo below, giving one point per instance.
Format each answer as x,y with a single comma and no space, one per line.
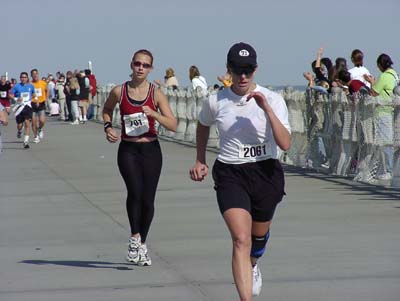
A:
244,52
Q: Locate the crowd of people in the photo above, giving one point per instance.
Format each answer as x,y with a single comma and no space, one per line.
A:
327,75
33,98
358,81
196,79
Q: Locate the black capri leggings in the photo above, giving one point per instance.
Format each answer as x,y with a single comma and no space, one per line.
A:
140,165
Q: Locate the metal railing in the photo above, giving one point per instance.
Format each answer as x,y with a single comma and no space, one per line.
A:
333,133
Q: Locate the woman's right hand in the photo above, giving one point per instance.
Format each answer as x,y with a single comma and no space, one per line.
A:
369,78
320,52
199,171
111,135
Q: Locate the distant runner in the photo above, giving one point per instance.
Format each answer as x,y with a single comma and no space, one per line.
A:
22,93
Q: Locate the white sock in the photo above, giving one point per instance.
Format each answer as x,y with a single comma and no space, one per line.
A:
26,139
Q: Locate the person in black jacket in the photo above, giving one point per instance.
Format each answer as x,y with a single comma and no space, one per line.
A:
84,86
68,97
323,70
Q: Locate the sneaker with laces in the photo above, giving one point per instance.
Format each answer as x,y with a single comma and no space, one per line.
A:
133,250
26,145
74,122
41,134
257,281
144,257
36,140
19,134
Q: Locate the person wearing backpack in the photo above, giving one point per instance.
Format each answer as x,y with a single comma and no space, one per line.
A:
388,79
383,87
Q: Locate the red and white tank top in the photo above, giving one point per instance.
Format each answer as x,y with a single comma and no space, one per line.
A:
135,123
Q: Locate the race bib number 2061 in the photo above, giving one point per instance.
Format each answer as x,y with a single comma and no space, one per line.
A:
255,151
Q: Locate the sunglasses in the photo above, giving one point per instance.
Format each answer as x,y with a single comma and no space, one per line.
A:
246,70
23,77
140,64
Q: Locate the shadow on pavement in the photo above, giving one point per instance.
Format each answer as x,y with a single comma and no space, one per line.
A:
346,184
81,264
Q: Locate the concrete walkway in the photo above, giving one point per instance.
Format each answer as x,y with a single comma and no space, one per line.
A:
64,230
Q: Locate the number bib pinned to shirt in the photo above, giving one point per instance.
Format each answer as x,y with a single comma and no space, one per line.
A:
38,92
254,152
136,124
3,94
26,97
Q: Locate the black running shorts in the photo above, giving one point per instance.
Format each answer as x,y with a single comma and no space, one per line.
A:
256,187
38,108
26,114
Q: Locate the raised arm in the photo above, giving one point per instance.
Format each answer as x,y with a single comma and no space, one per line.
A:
319,56
280,132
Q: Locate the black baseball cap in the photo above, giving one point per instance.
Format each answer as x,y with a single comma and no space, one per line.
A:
242,54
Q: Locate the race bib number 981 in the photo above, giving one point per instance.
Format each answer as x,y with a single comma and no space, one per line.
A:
136,124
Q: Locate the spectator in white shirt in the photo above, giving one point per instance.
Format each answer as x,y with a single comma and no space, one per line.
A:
54,108
358,71
196,79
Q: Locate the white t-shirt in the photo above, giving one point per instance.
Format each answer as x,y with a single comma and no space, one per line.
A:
244,129
199,81
358,73
50,91
54,108
171,81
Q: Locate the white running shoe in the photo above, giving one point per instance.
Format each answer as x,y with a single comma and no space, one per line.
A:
36,140
144,257
74,122
41,135
133,250
257,281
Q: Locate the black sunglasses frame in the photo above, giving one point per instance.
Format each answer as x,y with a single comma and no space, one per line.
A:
246,70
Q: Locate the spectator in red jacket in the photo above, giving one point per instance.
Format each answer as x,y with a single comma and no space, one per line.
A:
93,92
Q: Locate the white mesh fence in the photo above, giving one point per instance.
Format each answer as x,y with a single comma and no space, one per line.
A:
357,136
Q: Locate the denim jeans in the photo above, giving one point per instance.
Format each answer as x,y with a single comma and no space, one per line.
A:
75,109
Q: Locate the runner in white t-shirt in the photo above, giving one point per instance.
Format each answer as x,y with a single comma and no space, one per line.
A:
252,121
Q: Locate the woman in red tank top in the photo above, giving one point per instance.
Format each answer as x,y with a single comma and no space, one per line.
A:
139,152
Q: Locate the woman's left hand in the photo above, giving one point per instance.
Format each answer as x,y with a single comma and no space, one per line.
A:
260,99
149,112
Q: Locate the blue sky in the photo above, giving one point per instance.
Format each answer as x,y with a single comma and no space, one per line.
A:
56,35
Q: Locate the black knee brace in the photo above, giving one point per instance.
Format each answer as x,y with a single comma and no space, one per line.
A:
258,245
